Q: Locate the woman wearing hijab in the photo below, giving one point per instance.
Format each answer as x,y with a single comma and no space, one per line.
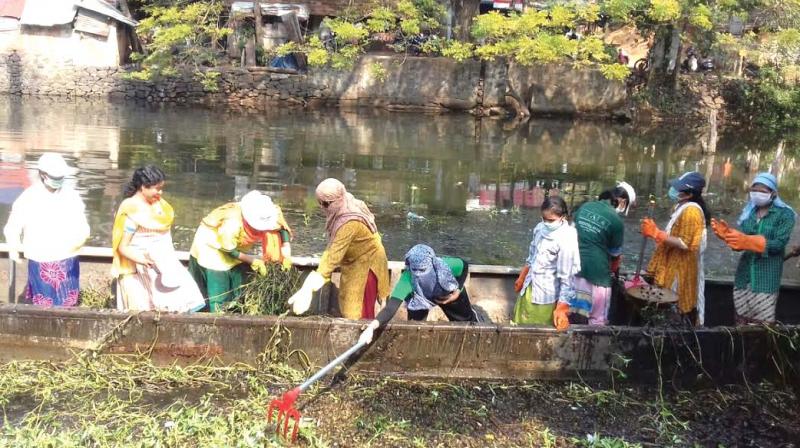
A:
427,282
355,247
766,225
677,262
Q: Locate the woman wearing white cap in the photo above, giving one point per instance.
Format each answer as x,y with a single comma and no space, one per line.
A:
148,272
49,225
226,234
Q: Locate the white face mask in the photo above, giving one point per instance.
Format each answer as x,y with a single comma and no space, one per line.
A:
760,199
52,183
552,225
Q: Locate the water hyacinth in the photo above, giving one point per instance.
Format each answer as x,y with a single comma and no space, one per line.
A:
267,295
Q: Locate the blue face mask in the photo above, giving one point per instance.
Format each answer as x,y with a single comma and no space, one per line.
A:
673,194
550,226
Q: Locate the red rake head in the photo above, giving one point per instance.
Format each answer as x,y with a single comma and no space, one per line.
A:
286,412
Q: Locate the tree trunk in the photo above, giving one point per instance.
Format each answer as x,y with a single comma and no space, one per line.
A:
464,11
259,29
663,59
136,44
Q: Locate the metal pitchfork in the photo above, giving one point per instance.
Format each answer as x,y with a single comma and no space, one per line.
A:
285,404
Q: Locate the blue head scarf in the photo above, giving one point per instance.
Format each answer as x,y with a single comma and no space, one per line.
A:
430,276
770,182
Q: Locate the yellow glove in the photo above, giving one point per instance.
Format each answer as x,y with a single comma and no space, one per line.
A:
286,264
259,267
301,300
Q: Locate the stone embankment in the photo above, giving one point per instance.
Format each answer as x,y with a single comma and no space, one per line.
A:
377,81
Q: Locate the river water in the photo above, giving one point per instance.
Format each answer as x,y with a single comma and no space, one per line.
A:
467,187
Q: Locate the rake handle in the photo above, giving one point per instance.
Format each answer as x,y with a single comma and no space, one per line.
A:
650,210
341,358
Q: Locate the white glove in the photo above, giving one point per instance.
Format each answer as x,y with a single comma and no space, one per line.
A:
301,300
366,335
13,256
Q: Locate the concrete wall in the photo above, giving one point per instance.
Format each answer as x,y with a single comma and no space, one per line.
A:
379,81
52,48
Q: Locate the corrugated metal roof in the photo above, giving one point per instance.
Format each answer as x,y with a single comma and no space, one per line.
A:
105,9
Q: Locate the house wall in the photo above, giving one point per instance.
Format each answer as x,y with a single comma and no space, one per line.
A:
60,45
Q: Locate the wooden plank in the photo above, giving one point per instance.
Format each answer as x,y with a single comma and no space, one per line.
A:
91,23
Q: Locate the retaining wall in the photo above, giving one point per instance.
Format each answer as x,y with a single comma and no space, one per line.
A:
378,81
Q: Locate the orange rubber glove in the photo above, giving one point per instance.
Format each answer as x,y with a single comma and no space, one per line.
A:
561,316
615,262
737,240
650,230
720,228
521,279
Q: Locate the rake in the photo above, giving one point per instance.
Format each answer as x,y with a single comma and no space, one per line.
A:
286,412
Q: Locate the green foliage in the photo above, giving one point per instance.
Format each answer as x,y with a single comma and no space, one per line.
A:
378,71
615,71
176,36
766,102
460,51
381,20
664,10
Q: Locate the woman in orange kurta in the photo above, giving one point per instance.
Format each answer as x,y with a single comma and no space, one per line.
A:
355,247
677,262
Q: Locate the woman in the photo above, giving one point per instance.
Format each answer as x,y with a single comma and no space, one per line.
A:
546,283
220,246
600,233
48,223
766,225
355,247
428,281
148,272
677,262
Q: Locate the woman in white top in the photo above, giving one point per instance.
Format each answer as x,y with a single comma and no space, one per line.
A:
546,283
48,223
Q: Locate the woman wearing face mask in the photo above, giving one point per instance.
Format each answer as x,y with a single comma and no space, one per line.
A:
148,272
546,283
677,262
766,225
600,233
428,281
48,223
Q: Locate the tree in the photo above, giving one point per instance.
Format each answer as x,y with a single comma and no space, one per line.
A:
181,36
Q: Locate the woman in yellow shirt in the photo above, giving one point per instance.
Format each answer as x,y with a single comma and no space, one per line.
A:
354,246
677,262
220,246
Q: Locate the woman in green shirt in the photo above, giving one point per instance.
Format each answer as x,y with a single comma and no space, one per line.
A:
766,225
428,281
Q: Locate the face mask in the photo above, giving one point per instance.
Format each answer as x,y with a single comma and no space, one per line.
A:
550,226
673,194
760,199
621,210
49,182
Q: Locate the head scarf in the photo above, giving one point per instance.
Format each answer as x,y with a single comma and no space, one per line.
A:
343,207
771,182
430,276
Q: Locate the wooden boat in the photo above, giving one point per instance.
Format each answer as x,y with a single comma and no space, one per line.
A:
493,349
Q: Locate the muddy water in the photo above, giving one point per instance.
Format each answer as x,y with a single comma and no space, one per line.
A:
467,187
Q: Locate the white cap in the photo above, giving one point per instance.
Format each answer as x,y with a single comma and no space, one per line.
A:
53,165
631,194
259,211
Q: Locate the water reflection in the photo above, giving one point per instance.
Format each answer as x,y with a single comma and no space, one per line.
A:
467,187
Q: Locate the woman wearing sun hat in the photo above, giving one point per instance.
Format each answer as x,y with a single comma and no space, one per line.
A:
48,224
225,236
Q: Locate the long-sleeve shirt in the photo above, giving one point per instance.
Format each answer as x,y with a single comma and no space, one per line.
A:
356,251
762,272
47,226
554,260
